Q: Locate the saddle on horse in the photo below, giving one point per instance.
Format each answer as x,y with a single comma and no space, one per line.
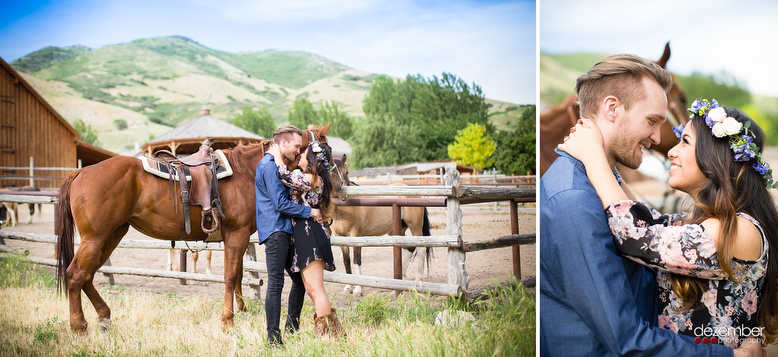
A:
204,187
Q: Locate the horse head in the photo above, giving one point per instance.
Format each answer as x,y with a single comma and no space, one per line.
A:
339,174
317,133
676,109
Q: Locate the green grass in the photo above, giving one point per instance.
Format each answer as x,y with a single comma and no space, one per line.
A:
16,271
35,323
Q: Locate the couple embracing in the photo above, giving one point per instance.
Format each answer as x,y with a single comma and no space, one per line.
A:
618,277
289,208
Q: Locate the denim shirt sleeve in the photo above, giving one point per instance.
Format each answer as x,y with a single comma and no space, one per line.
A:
280,196
592,279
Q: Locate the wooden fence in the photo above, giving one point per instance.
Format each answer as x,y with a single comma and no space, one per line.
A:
451,196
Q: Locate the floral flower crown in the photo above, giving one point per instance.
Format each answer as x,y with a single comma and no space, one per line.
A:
723,126
320,156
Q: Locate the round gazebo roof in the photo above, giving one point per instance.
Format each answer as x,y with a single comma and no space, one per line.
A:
186,138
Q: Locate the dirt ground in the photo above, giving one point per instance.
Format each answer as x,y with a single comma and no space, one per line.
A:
480,223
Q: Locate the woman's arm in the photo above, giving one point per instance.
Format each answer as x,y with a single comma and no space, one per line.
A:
293,179
585,144
662,241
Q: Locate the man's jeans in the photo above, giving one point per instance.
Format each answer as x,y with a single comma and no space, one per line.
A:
276,250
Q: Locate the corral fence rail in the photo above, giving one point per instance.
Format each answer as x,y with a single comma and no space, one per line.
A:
451,195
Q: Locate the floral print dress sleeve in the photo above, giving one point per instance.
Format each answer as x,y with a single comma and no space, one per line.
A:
663,241
293,179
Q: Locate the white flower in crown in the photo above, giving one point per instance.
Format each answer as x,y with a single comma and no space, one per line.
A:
316,147
731,126
717,115
719,131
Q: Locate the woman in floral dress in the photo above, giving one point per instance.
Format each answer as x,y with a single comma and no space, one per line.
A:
717,272
310,252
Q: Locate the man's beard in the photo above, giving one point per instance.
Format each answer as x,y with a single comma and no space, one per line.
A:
290,158
624,154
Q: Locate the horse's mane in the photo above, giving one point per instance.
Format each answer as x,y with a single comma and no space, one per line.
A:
238,155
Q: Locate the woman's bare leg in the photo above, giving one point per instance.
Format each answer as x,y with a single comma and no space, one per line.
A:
313,279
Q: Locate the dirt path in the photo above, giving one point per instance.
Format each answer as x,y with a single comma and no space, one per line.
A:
479,224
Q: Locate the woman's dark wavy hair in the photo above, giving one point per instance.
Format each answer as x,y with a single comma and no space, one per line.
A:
317,168
731,187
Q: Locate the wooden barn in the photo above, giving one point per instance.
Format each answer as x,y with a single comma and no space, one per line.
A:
32,133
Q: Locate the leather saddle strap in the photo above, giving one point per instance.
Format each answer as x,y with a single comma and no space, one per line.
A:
183,171
215,186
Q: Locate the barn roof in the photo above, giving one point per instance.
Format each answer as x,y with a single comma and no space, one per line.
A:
205,126
40,99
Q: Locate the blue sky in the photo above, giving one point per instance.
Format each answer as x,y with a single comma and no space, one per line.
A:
709,36
489,43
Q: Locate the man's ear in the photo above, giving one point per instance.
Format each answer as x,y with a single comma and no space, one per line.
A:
610,107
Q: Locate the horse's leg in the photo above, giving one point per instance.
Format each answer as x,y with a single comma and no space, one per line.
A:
103,311
195,256
358,268
235,243
80,274
170,259
240,303
12,215
346,264
208,255
422,257
407,257
31,206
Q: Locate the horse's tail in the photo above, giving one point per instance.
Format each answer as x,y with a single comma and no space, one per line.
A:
425,230
64,229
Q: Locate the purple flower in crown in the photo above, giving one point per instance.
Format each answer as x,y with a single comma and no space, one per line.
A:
696,105
678,130
761,167
741,146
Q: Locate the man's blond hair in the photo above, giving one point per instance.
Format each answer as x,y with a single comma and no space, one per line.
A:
618,75
286,132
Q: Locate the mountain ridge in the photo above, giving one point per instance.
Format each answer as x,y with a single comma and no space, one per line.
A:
164,81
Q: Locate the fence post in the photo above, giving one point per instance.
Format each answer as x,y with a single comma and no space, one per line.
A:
397,251
515,230
32,171
251,252
111,280
457,275
182,265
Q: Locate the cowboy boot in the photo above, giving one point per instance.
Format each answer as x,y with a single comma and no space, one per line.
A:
320,326
336,329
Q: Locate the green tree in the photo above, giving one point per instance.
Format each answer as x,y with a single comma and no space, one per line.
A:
120,124
342,123
515,154
472,147
723,87
259,122
415,119
88,133
302,114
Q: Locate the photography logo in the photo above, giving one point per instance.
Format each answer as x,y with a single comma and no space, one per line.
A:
726,335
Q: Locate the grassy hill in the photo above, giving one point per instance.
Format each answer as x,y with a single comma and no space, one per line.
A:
157,83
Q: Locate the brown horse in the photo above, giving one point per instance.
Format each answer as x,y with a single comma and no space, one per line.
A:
103,200
360,221
555,122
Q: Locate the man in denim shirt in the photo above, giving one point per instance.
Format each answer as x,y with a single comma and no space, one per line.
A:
274,228
593,302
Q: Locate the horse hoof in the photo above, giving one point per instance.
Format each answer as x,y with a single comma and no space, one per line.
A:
79,327
358,291
347,290
105,324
